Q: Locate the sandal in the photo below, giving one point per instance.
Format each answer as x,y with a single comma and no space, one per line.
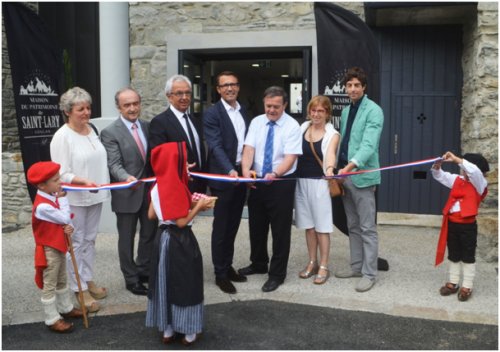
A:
448,289
307,273
321,279
97,292
464,294
91,305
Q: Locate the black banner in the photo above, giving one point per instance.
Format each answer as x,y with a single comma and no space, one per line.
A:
37,71
344,41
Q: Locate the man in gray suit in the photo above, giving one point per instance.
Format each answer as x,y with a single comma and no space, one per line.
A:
125,141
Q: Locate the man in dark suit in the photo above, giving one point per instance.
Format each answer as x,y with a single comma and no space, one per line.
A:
225,126
176,125
125,141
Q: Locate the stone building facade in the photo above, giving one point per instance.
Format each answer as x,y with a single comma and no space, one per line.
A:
151,23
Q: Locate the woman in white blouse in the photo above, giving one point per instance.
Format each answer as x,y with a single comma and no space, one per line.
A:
77,148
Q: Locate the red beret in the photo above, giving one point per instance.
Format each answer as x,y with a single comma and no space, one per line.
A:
42,171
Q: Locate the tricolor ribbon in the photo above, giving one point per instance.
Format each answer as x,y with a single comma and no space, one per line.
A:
226,178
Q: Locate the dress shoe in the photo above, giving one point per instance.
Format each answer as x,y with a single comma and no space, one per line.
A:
234,276
137,289
61,326
271,285
143,279
170,339
74,313
225,285
250,270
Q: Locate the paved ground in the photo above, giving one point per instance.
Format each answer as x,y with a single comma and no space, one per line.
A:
266,325
408,290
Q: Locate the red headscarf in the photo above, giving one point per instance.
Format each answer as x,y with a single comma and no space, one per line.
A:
169,165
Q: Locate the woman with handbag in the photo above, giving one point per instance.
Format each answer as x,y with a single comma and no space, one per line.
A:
313,205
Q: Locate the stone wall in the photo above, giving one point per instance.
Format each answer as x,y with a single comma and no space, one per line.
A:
479,122
16,204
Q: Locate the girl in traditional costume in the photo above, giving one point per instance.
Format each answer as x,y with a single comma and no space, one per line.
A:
175,297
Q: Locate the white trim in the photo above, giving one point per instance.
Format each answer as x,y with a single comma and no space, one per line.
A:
271,39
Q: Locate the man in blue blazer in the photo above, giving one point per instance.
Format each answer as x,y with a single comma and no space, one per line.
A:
176,125
225,126
128,161
360,126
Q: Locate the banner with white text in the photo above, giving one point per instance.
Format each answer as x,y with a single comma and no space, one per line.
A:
37,73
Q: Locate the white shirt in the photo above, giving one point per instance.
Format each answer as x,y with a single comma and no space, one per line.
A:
139,130
82,156
48,213
287,140
238,124
475,175
182,120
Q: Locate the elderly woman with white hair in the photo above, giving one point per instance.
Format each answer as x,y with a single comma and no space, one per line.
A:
77,148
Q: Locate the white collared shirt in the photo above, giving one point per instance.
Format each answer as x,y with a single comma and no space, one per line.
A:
182,120
287,140
47,212
238,124
447,179
139,130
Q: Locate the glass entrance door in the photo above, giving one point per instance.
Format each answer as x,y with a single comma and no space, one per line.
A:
257,69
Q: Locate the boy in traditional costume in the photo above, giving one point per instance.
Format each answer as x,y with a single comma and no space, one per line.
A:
459,229
51,220
175,297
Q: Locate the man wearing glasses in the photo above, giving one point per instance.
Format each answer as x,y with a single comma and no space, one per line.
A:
225,125
176,125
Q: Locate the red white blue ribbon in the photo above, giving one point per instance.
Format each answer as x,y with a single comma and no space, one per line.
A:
226,178
109,186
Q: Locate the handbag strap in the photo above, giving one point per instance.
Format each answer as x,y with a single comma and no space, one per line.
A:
312,148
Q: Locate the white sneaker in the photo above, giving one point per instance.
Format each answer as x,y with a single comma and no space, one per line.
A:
364,284
345,274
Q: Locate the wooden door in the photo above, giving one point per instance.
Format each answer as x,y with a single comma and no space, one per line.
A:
421,81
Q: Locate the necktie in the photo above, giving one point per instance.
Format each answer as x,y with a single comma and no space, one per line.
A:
138,141
267,167
192,142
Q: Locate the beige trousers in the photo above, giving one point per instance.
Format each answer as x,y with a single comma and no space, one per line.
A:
54,275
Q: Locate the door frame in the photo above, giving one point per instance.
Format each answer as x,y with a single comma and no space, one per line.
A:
200,56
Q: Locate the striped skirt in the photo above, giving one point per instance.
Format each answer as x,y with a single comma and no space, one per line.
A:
160,313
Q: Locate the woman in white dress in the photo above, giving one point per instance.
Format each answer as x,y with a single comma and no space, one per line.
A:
313,204
77,148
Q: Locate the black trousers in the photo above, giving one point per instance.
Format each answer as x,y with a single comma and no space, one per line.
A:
227,217
127,227
271,205
462,242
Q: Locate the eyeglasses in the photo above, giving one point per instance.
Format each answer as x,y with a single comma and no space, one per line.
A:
182,94
318,111
229,85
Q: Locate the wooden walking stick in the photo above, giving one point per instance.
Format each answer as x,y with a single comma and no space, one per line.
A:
77,276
